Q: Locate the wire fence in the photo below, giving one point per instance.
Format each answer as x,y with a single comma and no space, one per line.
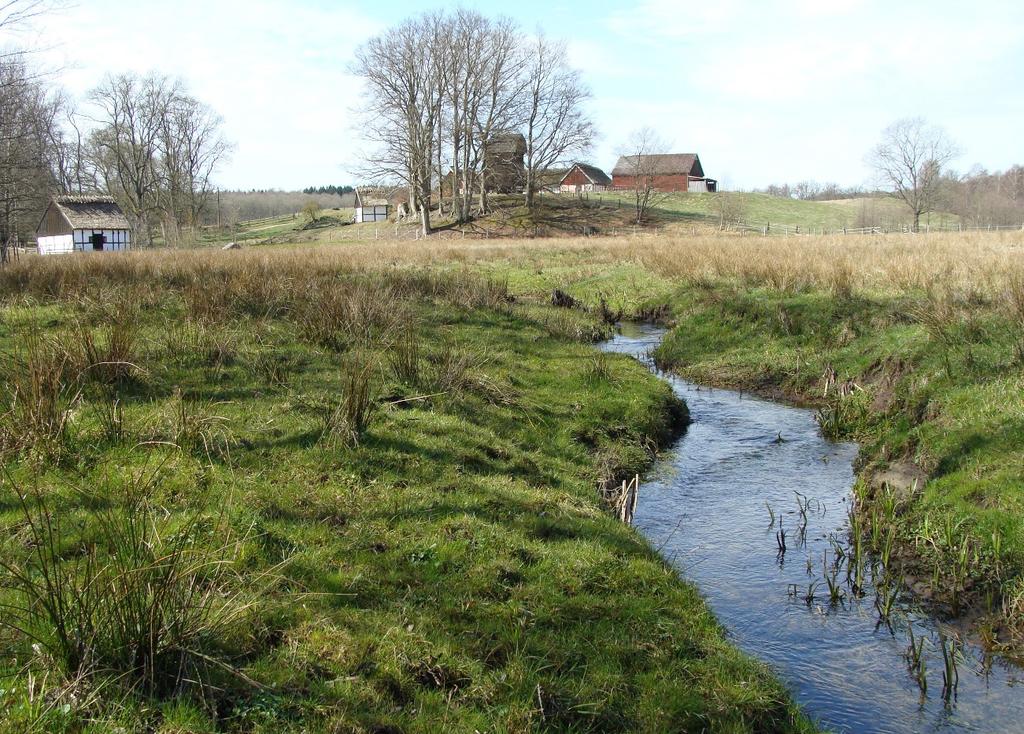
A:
773,228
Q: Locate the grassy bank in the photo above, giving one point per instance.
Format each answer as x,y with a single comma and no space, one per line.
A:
912,346
290,493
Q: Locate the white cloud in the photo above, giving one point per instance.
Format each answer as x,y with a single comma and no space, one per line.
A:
275,70
787,90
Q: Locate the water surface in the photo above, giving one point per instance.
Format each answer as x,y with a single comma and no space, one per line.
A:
704,507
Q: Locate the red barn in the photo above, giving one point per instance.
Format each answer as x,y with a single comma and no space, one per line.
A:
583,177
666,172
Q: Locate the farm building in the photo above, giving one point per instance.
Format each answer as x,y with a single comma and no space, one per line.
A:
667,172
504,167
371,207
584,178
83,223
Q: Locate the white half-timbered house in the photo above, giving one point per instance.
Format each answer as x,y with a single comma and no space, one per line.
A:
83,223
371,208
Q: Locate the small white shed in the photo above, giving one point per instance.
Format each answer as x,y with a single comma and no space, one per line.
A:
83,223
371,208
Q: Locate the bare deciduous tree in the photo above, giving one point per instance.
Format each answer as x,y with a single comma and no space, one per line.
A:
406,76
727,207
28,119
909,161
156,149
126,143
442,87
642,144
556,124
191,148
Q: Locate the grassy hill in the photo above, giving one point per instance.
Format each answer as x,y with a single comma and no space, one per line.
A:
610,213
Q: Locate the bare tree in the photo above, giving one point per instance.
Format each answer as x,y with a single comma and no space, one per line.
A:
556,124
191,147
125,146
727,207
155,148
909,161
28,114
442,88
504,85
642,168
15,13
406,75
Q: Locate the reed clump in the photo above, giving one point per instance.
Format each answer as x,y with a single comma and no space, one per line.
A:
346,415
41,391
142,604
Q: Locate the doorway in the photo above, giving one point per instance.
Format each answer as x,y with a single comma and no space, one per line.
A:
98,240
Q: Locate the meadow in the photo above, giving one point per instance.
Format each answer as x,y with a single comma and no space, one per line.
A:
365,486
351,489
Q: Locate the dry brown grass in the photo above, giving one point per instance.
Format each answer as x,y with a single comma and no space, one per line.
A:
255,281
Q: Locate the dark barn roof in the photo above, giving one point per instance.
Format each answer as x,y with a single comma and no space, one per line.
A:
662,164
91,211
595,174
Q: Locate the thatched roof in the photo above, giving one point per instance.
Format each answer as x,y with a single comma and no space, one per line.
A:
91,211
506,143
662,164
371,197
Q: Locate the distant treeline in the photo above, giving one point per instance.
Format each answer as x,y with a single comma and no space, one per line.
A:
231,207
339,190
814,191
978,197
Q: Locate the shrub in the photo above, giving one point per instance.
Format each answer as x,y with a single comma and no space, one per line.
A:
110,359
404,358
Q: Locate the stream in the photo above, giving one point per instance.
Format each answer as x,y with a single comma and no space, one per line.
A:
705,507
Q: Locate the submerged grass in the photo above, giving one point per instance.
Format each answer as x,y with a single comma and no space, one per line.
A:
440,554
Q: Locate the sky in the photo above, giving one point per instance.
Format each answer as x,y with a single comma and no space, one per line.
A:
765,92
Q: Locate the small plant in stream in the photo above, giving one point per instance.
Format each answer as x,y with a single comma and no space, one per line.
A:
811,594
916,661
950,672
835,589
886,594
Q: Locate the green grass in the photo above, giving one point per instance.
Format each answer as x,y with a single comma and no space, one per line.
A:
937,395
764,210
448,566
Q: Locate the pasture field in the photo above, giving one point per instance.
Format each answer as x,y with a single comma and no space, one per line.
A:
609,213
346,489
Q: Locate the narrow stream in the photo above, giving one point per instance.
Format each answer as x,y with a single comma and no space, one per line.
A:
706,508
